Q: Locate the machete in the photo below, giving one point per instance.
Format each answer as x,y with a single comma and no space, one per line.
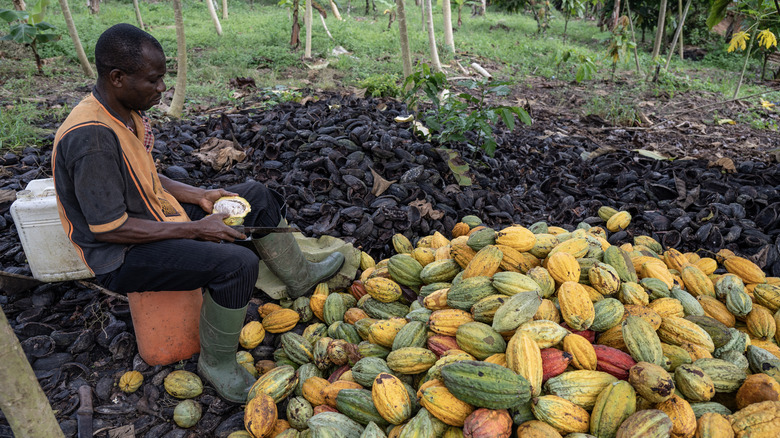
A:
84,414
252,231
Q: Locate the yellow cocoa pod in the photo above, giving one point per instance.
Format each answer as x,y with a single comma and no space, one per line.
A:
282,320
675,259
517,237
761,323
130,381
681,414
485,262
717,310
548,311
619,221
748,271
460,229
697,282
252,334
524,357
576,307
583,354
563,267
713,425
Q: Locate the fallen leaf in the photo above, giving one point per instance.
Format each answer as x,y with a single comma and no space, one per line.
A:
651,154
725,122
219,153
426,209
726,163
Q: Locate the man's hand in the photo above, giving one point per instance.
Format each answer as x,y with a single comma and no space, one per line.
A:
209,197
212,229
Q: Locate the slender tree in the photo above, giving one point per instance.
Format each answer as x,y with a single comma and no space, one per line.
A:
432,37
22,400
86,67
138,14
659,31
307,16
446,9
335,9
214,18
177,103
677,34
224,10
404,37
19,5
681,18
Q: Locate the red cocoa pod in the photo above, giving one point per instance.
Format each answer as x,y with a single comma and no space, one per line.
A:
324,408
357,289
339,371
488,423
554,362
590,335
613,361
440,344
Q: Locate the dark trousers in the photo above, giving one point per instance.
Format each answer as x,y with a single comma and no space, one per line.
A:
228,270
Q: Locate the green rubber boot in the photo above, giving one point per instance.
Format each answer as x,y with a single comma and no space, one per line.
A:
281,254
219,331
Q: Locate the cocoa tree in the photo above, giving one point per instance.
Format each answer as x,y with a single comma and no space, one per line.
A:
22,400
177,102
86,67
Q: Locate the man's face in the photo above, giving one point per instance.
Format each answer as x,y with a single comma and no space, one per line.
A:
143,89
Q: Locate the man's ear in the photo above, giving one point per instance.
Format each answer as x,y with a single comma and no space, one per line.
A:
116,77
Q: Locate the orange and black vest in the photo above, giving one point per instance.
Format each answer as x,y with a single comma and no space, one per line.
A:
103,174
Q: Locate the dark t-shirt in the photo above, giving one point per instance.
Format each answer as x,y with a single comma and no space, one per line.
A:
103,174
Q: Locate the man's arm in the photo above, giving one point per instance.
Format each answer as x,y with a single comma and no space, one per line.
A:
135,230
188,194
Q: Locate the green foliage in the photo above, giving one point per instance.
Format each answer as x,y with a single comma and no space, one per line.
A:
382,85
619,43
585,68
511,6
28,27
458,118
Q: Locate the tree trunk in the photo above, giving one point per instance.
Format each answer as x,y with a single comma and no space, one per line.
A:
295,36
177,103
307,24
565,25
677,34
214,18
432,37
224,10
482,7
460,20
744,67
22,400
449,42
19,5
322,19
681,19
74,35
659,31
615,15
403,35
138,14
94,6
424,16
335,9
633,37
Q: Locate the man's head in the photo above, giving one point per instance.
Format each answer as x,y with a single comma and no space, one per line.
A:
130,65
120,47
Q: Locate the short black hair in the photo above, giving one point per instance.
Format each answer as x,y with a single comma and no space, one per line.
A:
120,47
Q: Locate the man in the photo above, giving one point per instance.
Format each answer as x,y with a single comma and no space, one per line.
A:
140,231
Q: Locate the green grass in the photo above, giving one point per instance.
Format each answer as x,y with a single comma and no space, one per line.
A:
255,43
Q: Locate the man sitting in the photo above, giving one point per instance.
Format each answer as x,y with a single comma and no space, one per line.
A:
137,230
